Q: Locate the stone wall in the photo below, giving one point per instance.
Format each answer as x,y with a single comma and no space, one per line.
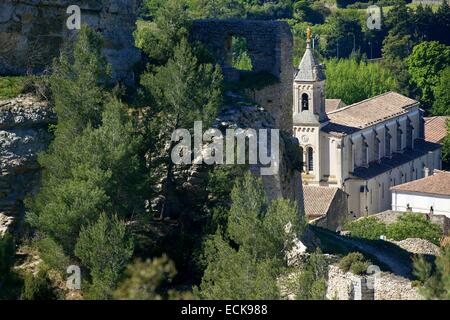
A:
384,286
23,134
33,32
269,45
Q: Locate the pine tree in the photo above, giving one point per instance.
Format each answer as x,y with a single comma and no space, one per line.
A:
244,262
104,248
435,282
182,91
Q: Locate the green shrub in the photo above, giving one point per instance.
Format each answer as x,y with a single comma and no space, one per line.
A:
38,287
414,225
354,262
52,254
368,228
11,87
312,284
359,267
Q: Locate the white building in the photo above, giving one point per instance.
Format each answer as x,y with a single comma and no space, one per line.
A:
364,148
428,195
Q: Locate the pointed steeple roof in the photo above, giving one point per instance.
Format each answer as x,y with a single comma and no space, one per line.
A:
309,69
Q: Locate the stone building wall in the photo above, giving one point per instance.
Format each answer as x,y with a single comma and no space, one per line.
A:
33,32
269,45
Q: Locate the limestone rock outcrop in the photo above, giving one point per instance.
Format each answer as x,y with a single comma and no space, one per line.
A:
33,32
24,133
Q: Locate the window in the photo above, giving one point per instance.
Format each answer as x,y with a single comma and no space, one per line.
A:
239,57
376,148
399,137
302,157
365,153
409,134
387,143
310,159
305,102
350,155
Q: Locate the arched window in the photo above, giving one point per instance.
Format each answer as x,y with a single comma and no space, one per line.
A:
310,159
305,102
302,158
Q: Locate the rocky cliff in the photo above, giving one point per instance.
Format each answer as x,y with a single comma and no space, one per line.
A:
24,133
32,32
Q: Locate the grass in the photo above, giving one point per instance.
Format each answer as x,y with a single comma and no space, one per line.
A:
11,87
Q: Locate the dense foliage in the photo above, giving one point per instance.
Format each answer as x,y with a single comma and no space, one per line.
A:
408,225
434,280
368,228
312,280
243,260
354,81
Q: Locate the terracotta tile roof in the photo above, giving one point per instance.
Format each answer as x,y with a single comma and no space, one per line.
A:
333,104
436,128
438,184
368,112
318,200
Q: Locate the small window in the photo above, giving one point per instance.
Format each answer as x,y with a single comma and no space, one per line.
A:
240,57
387,143
409,134
310,159
305,102
365,153
399,138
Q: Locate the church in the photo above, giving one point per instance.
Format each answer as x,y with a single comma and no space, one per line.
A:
359,151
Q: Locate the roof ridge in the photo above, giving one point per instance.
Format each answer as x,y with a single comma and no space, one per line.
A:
365,100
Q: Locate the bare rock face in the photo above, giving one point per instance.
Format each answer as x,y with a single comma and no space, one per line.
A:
33,32
23,134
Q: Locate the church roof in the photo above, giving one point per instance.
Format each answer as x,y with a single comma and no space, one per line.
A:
421,148
318,200
333,104
368,112
439,184
436,128
309,69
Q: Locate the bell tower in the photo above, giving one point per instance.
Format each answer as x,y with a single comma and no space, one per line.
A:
309,114
309,91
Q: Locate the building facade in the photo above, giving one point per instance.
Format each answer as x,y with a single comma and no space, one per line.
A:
428,195
364,148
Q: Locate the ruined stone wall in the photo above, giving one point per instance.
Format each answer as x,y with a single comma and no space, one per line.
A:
385,286
33,31
269,45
